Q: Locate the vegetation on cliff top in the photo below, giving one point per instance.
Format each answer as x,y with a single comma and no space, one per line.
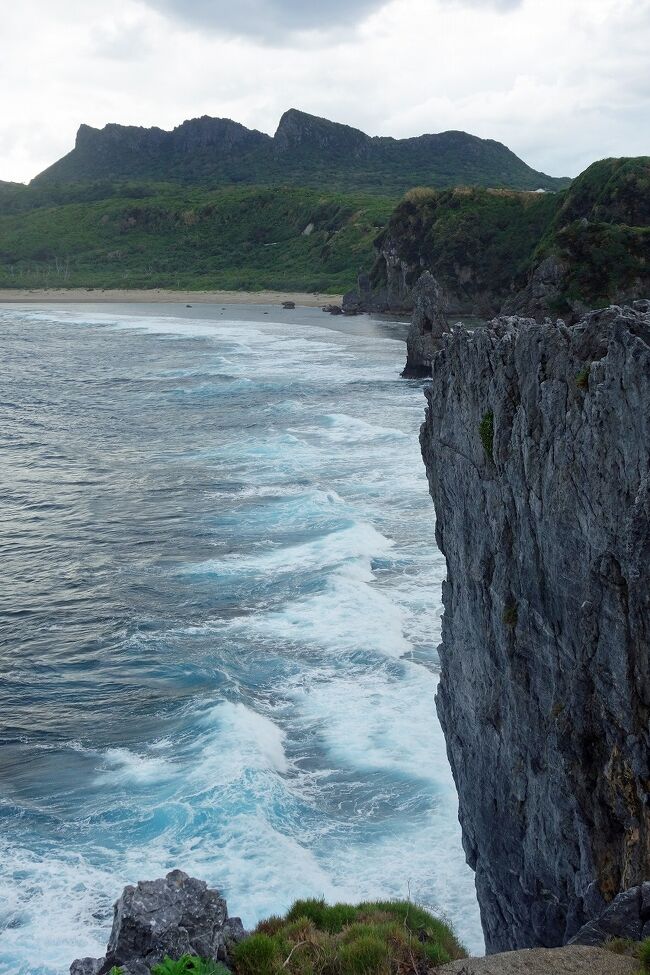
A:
601,232
483,244
480,239
379,938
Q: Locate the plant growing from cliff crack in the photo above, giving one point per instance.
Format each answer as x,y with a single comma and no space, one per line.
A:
486,433
582,378
510,615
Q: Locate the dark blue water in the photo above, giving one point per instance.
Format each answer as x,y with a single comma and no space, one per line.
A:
220,604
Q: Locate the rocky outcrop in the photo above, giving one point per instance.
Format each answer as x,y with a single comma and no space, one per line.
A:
627,917
389,287
427,328
165,918
541,293
537,448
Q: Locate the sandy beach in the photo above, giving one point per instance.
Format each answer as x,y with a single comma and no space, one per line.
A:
67,295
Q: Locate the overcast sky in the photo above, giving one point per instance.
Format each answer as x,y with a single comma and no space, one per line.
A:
562,82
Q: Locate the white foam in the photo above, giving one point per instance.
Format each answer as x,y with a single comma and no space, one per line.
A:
342,426
350,615
238,738
49,902
380,720
359,540
124,766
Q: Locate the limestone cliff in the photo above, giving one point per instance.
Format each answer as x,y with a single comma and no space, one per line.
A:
537,448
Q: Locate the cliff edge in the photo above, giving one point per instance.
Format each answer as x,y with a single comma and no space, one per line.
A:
537,448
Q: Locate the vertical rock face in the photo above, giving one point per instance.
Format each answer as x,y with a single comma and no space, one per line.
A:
536,443
428,325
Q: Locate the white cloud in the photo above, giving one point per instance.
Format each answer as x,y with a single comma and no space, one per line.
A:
562,82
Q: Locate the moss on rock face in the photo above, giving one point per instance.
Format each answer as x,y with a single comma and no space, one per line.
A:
374,938
486,432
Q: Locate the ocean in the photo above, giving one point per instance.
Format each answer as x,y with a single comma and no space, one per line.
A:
220,606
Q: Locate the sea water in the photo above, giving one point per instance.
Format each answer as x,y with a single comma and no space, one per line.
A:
220,606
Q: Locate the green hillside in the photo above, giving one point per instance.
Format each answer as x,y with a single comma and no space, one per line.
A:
173,237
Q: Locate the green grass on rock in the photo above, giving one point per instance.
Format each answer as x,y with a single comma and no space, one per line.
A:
373,938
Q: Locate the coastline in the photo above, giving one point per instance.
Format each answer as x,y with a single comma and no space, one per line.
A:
154,295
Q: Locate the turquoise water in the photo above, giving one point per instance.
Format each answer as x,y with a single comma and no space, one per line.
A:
220,610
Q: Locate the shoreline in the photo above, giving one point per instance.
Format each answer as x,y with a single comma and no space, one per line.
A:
156,295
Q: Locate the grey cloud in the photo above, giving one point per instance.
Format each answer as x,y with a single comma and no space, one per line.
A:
268,19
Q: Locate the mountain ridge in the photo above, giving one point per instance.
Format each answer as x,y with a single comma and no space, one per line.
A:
305,150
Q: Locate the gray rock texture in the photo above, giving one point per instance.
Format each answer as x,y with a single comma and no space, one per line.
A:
86,966
540,293
428,325
537,448
394,294
628,917
172,917
546,961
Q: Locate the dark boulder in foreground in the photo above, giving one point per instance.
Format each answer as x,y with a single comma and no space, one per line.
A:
628,917
158,918
537,448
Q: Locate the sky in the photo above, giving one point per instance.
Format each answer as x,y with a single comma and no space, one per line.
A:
561,82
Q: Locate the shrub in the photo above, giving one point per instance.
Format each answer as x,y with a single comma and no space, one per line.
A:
486,432
510,615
